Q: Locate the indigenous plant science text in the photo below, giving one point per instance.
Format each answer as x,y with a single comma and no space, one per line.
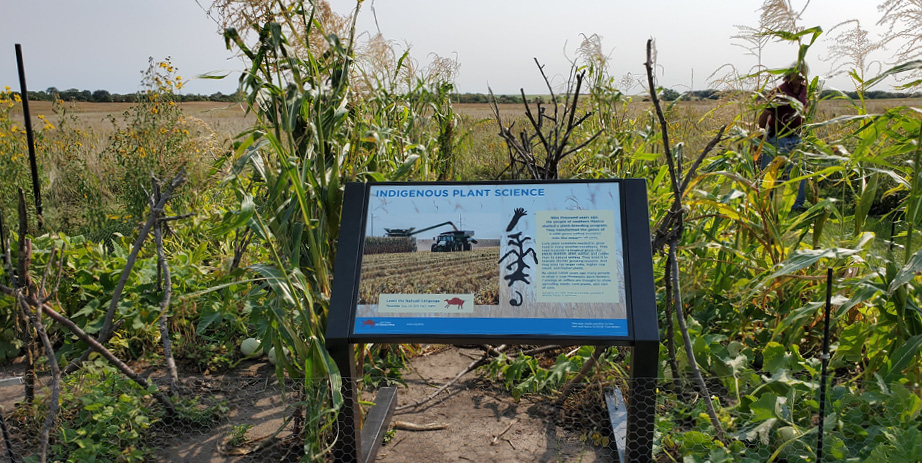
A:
459,193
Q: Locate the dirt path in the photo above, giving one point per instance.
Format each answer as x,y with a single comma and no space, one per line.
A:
475,412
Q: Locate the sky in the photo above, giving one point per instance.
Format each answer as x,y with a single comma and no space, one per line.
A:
105,44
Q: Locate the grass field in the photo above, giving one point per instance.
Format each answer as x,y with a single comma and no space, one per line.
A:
225,119
229,119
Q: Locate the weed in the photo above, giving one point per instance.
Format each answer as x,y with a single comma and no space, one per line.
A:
238,435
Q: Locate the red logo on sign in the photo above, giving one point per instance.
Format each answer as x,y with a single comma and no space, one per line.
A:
455,301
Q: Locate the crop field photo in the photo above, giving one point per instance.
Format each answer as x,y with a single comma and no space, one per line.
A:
475,272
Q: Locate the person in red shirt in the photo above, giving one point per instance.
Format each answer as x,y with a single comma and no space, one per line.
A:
782,120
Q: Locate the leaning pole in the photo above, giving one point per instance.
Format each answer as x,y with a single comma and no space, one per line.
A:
33,164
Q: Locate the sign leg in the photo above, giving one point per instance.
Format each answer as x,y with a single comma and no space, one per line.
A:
348,421
642,405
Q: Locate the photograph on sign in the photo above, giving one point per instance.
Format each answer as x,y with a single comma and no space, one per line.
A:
501,259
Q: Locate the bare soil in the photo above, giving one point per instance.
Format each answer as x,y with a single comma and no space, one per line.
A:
479,420
476,412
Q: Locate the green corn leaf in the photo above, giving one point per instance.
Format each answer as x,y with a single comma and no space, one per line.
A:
907,273
236,219
213,75
405,168
864,202
903,357
277,281
806,257
905,67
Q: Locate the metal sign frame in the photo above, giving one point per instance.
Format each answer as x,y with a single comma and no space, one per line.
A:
642,328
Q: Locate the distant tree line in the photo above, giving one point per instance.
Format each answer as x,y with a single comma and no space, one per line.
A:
712,94
669,94
872,95
104,96
484,98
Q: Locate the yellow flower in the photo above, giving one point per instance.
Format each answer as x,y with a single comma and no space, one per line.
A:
48,126
17,98
178,77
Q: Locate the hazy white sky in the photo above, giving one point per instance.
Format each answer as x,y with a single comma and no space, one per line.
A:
104,44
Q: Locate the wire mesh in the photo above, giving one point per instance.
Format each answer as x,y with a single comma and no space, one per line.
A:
241,419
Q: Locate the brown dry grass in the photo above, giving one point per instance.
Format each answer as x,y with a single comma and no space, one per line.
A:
225,119
231,118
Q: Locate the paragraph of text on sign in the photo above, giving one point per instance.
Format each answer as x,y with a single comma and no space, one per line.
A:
576,256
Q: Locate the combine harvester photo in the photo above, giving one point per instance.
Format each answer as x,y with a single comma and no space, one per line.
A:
449,241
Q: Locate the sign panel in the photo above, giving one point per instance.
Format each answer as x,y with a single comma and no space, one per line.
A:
540,259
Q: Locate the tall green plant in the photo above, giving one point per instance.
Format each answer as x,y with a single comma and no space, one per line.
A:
289,172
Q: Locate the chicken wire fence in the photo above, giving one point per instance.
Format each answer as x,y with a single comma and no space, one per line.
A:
241,419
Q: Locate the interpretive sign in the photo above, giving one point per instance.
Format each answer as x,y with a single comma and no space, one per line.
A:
493,259
557,262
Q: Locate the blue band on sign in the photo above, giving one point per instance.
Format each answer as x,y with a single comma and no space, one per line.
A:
491,326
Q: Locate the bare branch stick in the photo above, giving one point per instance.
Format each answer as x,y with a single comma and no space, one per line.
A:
57,278
693,363
106,332
539,350
535,124
5,251
707,149
407,426
519,152
549,88
240,244
23,263
41,287
673,175
6,437
667,226
504,431
164,311
581,145
572,115
583,372
670,231
670,330
476,363
108,355
36,319
177,217
23,282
